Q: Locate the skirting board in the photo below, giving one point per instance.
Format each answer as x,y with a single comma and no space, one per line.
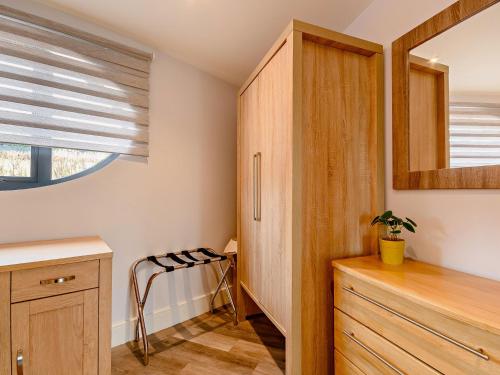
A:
124,331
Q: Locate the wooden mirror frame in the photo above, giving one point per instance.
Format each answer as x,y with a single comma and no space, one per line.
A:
486,177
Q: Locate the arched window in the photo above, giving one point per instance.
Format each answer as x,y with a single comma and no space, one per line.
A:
70,101
24,166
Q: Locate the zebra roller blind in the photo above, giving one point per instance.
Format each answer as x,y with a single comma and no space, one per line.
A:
61,87
474,134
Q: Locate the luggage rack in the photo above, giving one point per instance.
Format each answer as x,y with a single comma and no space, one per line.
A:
182,259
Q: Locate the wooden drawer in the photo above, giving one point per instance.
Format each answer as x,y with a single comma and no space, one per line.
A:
438,340
345,367
54,280
371,353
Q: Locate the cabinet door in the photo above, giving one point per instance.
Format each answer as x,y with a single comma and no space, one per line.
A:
276,115
249,146
56,335
265,187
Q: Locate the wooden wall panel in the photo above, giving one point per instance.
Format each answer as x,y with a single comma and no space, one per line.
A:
340,143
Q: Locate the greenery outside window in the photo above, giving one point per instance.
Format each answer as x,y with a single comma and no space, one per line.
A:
24,166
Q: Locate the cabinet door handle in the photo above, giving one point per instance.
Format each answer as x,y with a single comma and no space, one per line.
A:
351,336
20,362
58,280
478,353
257,186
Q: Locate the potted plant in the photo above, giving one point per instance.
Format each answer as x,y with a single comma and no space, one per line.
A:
392,248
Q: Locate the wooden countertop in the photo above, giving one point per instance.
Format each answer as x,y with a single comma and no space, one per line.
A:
471,299
24,255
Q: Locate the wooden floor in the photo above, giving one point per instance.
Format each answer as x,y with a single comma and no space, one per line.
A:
208,344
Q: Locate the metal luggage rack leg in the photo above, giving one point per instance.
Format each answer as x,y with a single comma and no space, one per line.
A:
180,263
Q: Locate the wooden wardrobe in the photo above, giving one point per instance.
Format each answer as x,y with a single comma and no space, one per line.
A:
310,178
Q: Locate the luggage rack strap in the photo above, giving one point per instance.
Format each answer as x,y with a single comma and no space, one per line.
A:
178,260
155,260
188,255
211,254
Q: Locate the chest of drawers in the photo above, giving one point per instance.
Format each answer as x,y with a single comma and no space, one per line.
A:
414,319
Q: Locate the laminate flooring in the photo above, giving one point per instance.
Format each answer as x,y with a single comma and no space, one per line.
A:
207,345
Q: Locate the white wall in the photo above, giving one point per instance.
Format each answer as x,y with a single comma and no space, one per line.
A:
457,229
183,197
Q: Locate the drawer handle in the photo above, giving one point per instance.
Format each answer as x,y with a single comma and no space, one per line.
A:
480,353
59,280
20,362
373,353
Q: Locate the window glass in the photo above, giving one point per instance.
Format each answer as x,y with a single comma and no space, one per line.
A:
66,162
26,167
15,160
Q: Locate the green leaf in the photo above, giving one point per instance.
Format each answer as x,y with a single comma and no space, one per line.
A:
412,222
395,231
409,227
386,215
398,220
375,220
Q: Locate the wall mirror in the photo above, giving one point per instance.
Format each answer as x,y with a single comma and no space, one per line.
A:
446,100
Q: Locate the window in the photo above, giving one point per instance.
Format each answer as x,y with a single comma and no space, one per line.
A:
24,166
16,160
65,162
474,134
70,102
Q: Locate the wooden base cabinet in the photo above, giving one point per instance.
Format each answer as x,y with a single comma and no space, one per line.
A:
310,178
59,309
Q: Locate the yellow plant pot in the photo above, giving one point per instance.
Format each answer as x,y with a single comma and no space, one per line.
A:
392,252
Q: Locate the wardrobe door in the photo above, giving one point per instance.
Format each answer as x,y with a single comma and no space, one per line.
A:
249,146
275,111
265,187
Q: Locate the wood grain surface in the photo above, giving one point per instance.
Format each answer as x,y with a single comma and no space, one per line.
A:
208,344
314,109
487,177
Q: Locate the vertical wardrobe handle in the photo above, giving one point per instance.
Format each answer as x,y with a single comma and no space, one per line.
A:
20,362
256,186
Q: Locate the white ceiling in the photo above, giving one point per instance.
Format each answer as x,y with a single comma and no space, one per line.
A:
471,51
226,38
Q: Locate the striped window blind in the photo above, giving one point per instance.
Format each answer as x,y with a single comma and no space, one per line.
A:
474,134
62,87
